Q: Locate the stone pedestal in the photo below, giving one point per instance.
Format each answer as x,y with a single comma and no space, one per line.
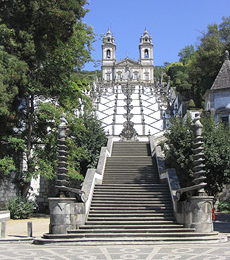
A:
198,213
63,215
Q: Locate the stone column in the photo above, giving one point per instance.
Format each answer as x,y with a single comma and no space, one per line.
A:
198,208
198,213
65,213
62,215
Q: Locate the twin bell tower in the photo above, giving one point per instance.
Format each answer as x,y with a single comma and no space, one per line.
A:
127,69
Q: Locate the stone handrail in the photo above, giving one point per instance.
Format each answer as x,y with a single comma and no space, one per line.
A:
105,152
189,190
95,176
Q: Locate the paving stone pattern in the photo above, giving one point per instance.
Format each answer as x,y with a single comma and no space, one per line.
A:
57,252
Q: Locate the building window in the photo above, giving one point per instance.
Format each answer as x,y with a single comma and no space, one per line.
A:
108,54
224,120
108,77
146,53
135,76
147,77
119,76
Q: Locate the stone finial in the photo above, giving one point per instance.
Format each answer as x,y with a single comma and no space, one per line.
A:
197,125
226,55
62,126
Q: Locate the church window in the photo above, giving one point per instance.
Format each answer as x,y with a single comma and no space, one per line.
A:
108,54
146,53
146,76
108,77
135,76
119,76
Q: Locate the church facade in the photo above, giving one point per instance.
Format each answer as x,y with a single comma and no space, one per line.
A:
127,69
128,100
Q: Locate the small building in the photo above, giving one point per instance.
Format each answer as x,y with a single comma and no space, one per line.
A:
217,99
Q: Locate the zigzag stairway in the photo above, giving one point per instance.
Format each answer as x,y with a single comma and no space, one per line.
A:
131,205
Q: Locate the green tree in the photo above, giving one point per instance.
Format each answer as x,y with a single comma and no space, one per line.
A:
200,65
179,152
186,54
217,154
206,63
178,149
41,43
179,78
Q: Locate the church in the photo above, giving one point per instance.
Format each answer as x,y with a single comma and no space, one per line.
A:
127,69
128,100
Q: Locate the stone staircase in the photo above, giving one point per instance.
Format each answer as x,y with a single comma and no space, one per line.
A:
131,205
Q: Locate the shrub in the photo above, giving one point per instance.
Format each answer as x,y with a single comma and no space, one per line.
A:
224,206
20,208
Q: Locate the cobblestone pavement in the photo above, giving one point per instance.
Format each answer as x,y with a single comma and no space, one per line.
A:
56,252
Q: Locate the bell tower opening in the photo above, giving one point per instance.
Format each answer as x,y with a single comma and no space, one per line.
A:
108,54
146,53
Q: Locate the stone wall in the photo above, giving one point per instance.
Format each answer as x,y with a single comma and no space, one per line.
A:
8,189
41,189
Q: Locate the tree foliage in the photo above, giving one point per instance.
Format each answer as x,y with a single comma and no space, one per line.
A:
179,153
217,154
43,45
201,64
179,78
186,54
178,149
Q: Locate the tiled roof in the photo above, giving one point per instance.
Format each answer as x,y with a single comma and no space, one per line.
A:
222,80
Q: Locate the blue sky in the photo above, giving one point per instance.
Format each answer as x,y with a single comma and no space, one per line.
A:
173,24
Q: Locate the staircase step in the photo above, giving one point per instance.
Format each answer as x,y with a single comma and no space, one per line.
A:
126,207
131,236
130,211
132,226
128,222
111,199
148,186
126,235
130,230
133,196
131,182
130,204
97,241
128,214
130,189
130,219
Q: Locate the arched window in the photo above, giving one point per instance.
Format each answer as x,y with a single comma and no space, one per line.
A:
119,75
108,54
135,75
146,53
